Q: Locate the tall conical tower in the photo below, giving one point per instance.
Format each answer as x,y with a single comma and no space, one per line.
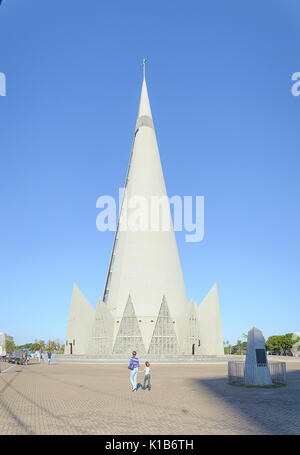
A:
144,307
145,264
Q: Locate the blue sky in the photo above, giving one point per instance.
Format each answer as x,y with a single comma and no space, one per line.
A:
219,81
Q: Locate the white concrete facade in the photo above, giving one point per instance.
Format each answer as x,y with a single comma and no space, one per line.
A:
145,307
81,318
210,326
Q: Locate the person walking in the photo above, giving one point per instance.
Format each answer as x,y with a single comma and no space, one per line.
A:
49,357
38,356
146,370
134,365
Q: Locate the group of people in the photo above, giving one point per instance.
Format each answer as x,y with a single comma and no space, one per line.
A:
40,356
27,355
134,365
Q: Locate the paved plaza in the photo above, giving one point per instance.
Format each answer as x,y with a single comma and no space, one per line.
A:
86,399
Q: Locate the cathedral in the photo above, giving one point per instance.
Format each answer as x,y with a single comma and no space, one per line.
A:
144,306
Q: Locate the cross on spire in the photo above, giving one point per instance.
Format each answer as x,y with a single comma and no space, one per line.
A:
144,66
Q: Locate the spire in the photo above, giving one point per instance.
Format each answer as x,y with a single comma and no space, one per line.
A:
145,262
144,107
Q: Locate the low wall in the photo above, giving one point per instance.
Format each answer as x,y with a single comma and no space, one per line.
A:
124,359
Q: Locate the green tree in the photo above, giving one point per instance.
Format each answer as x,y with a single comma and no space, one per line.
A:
53,345
30,346
42,344
244,346
228,349
274,344
9,345
281,343
239,346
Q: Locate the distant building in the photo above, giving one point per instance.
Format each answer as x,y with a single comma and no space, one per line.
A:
3,339
2,344
144,306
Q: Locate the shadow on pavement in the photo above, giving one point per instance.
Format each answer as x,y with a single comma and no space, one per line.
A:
25,428
6,407
274,410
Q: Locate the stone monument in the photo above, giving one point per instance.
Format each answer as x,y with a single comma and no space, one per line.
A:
257,370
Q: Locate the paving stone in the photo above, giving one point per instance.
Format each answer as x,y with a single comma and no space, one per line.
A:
83,398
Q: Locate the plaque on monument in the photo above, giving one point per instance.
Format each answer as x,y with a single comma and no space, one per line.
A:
261,358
